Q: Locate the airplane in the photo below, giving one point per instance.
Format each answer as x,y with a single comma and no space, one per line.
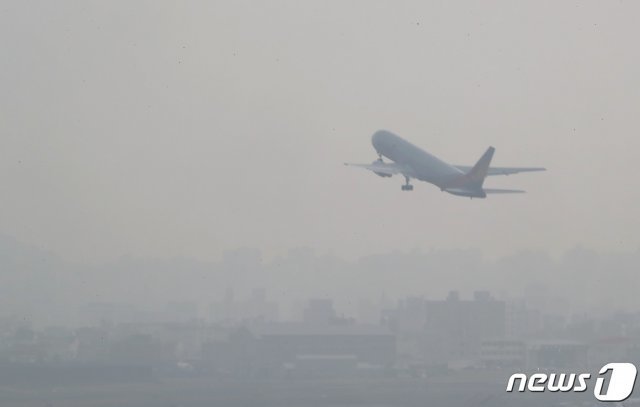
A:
413,162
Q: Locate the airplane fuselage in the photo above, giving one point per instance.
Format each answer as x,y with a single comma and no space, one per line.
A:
423,165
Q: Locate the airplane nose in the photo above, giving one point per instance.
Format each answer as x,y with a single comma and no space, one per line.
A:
379,139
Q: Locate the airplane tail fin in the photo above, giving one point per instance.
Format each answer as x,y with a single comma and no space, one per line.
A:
478,173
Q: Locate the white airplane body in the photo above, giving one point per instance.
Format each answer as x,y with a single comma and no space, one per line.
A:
413,162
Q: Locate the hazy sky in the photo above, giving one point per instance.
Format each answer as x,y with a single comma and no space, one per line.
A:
189,128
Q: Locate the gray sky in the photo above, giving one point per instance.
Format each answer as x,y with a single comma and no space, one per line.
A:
189,128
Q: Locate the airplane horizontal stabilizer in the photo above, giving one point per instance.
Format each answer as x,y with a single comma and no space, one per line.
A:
503,191
502,170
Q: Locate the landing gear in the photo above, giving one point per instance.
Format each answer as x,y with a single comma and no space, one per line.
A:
407,186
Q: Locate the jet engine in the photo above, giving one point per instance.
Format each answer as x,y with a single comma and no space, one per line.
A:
380,163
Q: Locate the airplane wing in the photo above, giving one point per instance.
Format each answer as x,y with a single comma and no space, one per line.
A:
502,170
384,169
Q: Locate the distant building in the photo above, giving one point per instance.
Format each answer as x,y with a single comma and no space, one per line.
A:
557,354
302,349
319,366
503,353
92,344
301,345
446,332
58,342
522,322
368,312
455,328
97,313
180,312
613,348
319,311
407,321
255,308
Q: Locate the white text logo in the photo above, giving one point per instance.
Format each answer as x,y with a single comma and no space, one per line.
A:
616,387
